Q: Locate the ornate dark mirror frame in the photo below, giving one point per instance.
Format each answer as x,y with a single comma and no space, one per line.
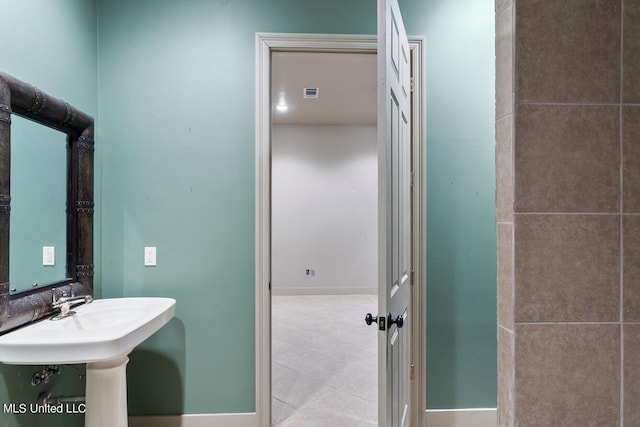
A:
22,99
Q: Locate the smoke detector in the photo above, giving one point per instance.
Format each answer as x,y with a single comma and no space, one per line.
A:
310,93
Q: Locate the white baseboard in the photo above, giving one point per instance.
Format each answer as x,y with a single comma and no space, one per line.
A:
323,291
435,418
462,417
196,420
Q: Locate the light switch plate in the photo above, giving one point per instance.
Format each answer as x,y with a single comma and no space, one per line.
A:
48,255
150,256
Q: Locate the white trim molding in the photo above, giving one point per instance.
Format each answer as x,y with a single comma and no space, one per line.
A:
417,45
196,420
265,44
476,417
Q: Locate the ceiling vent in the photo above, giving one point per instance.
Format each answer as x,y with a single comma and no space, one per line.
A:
311,92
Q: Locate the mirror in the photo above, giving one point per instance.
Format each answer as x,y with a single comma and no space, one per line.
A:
18,98
38,205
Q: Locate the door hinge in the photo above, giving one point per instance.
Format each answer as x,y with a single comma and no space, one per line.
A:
412,84
411,371
411,179
413,277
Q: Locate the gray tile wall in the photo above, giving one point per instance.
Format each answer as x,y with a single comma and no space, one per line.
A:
568,212
504,208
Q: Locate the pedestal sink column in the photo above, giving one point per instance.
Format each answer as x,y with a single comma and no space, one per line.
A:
106,393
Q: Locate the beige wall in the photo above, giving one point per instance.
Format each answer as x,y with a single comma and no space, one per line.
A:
324,209
568,205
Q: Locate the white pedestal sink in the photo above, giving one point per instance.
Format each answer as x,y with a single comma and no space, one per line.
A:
100,334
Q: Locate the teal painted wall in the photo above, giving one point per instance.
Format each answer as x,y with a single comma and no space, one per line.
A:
177,117
461,260
175,160
177,109
52,45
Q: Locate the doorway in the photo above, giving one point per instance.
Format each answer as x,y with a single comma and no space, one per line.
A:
266,44
324,173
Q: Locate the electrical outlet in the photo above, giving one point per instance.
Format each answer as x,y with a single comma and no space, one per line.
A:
48,255
150,256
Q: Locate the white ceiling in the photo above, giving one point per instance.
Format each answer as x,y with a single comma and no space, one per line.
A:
346,83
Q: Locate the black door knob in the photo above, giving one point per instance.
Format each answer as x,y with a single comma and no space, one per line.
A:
398,320
369,319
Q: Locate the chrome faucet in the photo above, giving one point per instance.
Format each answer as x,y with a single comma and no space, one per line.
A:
64,303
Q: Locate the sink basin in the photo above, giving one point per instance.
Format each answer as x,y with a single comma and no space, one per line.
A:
102,330
100,334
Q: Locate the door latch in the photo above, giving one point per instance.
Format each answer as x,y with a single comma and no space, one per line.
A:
381,321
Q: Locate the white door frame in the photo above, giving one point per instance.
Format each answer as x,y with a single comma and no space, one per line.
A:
265,44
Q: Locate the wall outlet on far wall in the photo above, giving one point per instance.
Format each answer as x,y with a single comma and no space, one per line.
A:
310,272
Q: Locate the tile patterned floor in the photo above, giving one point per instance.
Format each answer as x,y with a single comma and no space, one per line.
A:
324,362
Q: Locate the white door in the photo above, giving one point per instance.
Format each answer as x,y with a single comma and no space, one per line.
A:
394,217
